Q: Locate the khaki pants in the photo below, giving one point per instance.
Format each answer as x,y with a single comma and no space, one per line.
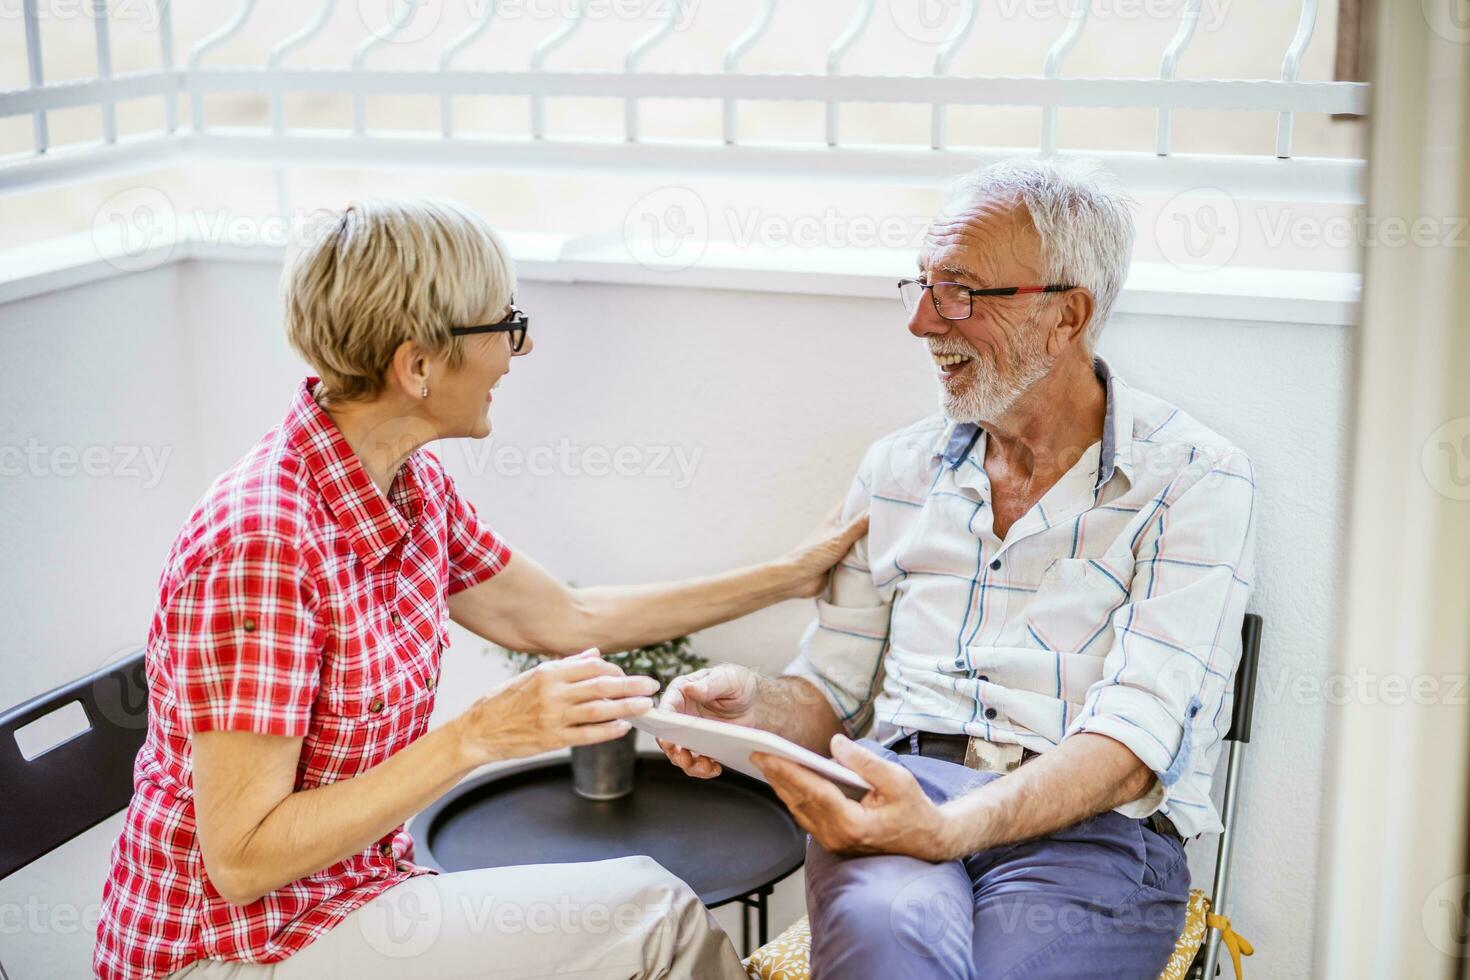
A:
606,920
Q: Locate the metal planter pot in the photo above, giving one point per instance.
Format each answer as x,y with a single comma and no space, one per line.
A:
605,771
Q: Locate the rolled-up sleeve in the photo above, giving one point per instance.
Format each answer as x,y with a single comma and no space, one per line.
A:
245,646
1167,679
842,651
476,553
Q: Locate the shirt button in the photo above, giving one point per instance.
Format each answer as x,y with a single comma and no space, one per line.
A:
432,681
385,849
376,706
995,565
991,713
249,625
396,619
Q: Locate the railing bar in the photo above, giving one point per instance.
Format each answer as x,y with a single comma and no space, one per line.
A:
36,76
1052,67
941,67
86,92
207,44
1169,66
1261,177
736,51
166,60
635,54
538,61
1291,68
397,21
288,44
837,52
1262,95
451,51
101,29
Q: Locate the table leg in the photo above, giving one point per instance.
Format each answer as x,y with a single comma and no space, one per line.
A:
745,949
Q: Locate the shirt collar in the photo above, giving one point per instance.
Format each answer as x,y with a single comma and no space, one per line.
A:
1117,435
372,522
958,439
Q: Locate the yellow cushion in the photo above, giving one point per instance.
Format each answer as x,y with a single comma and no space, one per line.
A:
1190,939
788,956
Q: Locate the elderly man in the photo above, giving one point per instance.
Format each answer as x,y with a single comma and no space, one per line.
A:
1041,627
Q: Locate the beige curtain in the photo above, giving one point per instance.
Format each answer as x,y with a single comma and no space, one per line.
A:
1396,898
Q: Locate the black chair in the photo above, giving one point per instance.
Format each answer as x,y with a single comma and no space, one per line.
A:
74,785
68,788
1236,738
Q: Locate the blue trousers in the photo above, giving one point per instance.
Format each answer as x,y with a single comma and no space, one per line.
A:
1103,898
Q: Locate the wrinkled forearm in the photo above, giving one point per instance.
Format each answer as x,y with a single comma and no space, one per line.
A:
622,617
792,708
1083,776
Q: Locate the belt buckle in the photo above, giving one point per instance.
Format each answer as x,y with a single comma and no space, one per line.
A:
983,755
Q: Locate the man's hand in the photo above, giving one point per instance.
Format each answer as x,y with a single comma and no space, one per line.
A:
895,818
725,693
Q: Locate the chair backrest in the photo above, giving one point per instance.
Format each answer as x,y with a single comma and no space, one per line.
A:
76,784
1245,679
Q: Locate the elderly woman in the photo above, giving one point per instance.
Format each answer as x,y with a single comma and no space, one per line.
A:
295,652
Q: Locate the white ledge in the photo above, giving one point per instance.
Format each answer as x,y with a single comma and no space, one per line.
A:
1153,289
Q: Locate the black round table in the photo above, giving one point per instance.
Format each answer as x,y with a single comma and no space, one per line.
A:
730,839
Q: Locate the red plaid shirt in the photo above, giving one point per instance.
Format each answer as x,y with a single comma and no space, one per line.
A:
296,601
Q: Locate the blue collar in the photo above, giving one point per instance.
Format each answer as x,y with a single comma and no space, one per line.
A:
963,435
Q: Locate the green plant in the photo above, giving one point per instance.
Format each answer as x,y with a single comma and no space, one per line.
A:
661,661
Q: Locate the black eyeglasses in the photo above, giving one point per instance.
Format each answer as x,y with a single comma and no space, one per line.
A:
516,323
955,301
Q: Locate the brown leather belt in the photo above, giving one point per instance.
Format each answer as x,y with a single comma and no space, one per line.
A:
955,749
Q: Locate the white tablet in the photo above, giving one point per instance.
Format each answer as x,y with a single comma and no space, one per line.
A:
731,745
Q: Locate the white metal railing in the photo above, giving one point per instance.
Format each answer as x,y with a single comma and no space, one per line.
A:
1273,173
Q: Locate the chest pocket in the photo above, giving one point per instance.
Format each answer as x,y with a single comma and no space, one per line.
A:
1073,607
362,719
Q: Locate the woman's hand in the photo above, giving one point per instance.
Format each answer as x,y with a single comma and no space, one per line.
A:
811,560
578,700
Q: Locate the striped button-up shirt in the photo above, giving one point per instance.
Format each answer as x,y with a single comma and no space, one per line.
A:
1113,606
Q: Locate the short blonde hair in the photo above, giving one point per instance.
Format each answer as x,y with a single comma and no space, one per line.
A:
386,270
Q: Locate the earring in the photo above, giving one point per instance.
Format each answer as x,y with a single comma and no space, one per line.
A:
424,392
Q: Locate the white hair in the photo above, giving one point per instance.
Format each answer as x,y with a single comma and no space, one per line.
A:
1082,217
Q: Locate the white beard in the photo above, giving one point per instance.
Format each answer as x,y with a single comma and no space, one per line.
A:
991,390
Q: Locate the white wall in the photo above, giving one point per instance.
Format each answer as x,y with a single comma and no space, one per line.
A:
776,394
